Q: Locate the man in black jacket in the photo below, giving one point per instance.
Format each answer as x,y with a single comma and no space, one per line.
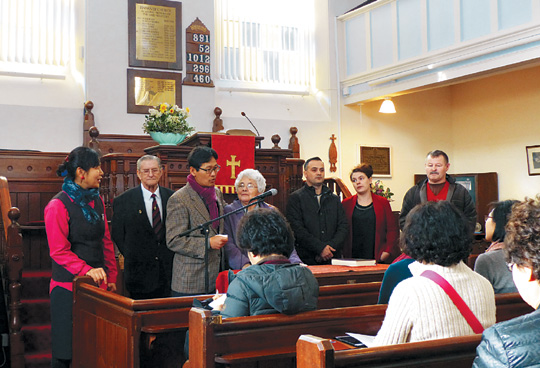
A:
138,230
438,186
317,217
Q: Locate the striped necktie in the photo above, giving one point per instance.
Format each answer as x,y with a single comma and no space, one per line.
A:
156,218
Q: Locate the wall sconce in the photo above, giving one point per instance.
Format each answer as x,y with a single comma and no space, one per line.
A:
387,106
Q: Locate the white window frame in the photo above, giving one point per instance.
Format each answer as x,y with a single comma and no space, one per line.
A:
36,37
270,55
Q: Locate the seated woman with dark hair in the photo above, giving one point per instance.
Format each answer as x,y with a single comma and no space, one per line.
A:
491,264
272,284
515,343
436,236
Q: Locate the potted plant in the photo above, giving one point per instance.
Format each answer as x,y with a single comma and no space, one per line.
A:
167,124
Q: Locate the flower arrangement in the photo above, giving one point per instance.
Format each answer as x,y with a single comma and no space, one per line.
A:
165,118
378,188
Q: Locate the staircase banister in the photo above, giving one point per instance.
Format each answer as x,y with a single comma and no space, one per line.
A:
14,268
338,187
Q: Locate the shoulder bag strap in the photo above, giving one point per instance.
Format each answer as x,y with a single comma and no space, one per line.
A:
458,301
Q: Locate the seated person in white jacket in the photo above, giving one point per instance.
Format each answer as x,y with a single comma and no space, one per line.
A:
436,235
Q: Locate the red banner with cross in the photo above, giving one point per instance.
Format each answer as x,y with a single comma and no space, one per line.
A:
235,154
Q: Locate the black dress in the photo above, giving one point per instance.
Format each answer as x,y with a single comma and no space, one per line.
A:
363,232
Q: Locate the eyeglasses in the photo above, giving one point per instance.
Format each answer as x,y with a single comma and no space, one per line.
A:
486,217
249,186
148,171
212,169
510,266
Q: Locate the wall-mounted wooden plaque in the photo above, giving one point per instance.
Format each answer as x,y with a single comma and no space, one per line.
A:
147,89
198,55
379,158
154,34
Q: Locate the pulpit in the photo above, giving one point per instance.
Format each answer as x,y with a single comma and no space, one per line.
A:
280,169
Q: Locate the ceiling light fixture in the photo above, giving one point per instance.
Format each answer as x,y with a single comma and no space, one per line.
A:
387,106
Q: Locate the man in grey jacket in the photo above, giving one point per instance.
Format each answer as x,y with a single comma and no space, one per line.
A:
438,186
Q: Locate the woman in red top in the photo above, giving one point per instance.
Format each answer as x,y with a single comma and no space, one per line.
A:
79,243
373,230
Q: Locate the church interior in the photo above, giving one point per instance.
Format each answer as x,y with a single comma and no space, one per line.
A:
463,77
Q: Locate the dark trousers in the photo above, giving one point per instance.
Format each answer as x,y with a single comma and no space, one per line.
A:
163,291
61,325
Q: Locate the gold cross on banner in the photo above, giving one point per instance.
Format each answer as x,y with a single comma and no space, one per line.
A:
233,163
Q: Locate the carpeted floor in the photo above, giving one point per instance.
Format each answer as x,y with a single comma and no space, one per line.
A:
36,318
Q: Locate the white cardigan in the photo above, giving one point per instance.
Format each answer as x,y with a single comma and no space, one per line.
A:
419,309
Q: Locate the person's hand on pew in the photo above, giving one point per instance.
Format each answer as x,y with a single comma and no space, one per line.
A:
111,286
98,275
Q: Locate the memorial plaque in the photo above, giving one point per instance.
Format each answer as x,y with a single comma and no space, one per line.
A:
154,38
378,158
198,55
150,88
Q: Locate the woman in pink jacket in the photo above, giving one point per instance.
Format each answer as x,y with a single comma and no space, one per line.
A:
79,243
373,230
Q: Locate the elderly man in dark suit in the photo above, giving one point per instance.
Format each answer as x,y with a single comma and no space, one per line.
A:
199,201
138,229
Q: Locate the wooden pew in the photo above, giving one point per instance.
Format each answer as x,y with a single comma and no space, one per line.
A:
270,340
347,295
454,352
154,329
335,275
110,330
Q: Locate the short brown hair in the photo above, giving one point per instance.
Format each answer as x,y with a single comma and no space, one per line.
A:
363,168
522,241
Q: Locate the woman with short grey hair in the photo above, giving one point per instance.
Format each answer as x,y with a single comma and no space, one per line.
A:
249,183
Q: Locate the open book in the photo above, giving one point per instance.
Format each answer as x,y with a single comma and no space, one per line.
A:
353,262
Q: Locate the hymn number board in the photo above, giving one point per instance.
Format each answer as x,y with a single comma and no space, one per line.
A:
198,55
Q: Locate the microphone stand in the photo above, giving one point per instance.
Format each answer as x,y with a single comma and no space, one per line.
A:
253,125
205,230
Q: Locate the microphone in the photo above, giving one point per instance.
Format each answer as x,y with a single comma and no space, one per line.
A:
270,193
258,134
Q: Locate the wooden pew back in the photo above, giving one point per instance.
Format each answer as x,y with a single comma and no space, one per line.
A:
5,205
143,324
109,329
348,295
248,340
271,339
454,352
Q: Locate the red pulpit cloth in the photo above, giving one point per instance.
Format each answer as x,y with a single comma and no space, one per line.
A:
235,153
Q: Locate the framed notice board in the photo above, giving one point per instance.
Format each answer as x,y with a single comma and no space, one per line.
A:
154,28
148,88
379,158
198,55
